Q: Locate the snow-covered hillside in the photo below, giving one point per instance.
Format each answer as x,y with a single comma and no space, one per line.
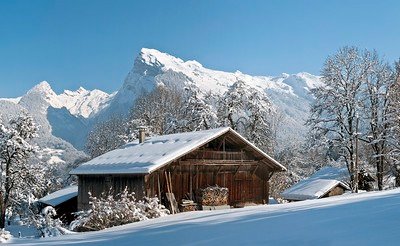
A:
355,219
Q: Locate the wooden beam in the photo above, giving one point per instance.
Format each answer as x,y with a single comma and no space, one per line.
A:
159,186
217,162
220,145
190,183
237,170
224,148
219,169
254,171
270,175
220,152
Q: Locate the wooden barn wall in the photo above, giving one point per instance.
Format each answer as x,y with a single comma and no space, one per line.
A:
338,190
243,186
96,184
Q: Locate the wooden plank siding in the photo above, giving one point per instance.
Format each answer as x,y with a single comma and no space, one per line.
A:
336,191
242,181
96,184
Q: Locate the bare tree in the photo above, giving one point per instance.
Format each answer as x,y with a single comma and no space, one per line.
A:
156,108
338,103
378,80
394,118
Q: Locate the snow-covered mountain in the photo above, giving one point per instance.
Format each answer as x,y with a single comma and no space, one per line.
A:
80,103
289,93
71,114
62,119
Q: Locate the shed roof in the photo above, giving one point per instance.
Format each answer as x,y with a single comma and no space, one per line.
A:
311,189
60,196
328,172
155,152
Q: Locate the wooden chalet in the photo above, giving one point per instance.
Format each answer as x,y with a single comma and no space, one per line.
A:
181,164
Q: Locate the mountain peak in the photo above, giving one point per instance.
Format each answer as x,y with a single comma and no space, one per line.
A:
81,90
43,86
158,58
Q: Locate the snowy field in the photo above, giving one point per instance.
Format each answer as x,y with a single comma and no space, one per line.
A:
356,219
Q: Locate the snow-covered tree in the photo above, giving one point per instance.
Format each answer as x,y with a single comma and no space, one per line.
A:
194,114
47,225
355,104
394,119
249,112
377,81
338,103
155,108
15,150
259,126
302,159
231,106
110,134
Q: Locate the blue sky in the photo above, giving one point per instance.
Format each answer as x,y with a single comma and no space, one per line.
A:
93,43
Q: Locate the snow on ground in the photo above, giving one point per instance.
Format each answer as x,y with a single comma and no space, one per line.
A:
371,218
26,231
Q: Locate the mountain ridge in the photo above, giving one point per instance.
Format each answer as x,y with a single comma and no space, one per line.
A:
79,110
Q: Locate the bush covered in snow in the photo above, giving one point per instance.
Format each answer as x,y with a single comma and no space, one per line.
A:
4,236
46,225
109,210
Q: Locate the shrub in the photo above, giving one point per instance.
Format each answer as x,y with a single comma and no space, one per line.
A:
46,225
109,210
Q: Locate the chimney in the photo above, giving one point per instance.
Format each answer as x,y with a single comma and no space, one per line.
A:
142,134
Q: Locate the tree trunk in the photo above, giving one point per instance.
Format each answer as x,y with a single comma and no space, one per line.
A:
2,211
379,174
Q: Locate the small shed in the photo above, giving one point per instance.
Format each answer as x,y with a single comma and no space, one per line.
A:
314,189
64,201
181,164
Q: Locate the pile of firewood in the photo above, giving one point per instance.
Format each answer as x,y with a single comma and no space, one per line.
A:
187,205
213,196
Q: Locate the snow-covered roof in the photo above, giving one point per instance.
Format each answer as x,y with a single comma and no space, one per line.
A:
60,196
318,184
155,152
328,172
311,189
